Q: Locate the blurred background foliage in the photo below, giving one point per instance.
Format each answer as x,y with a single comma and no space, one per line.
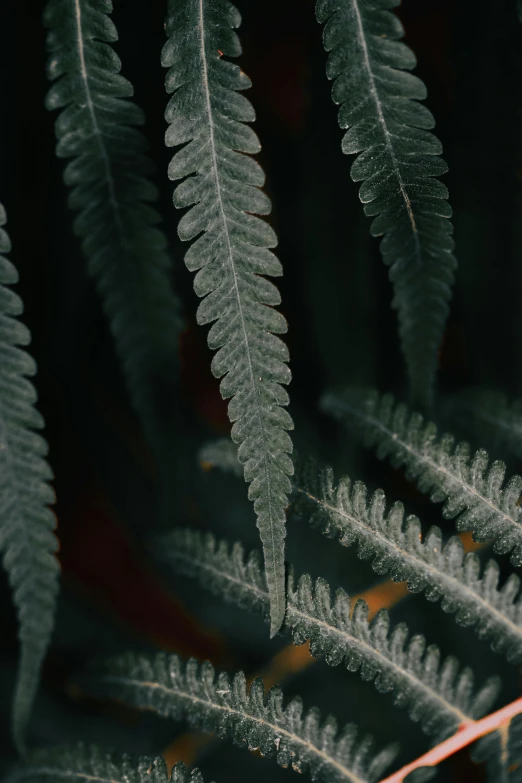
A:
336,297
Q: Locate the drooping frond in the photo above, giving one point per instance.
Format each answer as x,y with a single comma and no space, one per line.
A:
502,752
90,763
221,453
472,488
395,546
398,160
221,185
225,706
490,418
108,176
27,541
435,693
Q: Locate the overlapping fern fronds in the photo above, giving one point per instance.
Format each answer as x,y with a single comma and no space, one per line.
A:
398,162
395,545
110,189
27,541
91,763
221,186
472,488
434,691
226,707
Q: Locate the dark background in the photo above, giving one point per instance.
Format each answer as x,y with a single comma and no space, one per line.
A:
336,297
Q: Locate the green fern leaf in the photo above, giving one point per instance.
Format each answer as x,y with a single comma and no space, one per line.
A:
395,546
472,489
90,763
221,185
225,706
398,160
27,541
108,176
435,693
502,752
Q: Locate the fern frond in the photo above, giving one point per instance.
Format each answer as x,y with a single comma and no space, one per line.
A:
472,488
225,706
221,453
395,546
398,160
434,691
108,176
502,752
490,416
221,185
27,541
91,763
218,567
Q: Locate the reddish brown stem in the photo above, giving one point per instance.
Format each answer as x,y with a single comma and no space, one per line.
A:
467,733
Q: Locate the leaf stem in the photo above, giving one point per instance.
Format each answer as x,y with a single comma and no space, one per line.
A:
466,734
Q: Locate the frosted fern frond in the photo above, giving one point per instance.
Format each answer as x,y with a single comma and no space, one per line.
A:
27,541
218,567
398,160
472,488
110,189
502,752
489,416
435,693
221,185
90,763
395,546
226,707
221,453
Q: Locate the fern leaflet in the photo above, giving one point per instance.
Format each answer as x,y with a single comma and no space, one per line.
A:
502,752
27,541
396,547
90,763
436,694
472,488
110,189
225,706
221,185
398,160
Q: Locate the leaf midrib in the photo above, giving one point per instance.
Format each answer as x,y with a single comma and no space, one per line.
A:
277,602
94,121
277,730
386,132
